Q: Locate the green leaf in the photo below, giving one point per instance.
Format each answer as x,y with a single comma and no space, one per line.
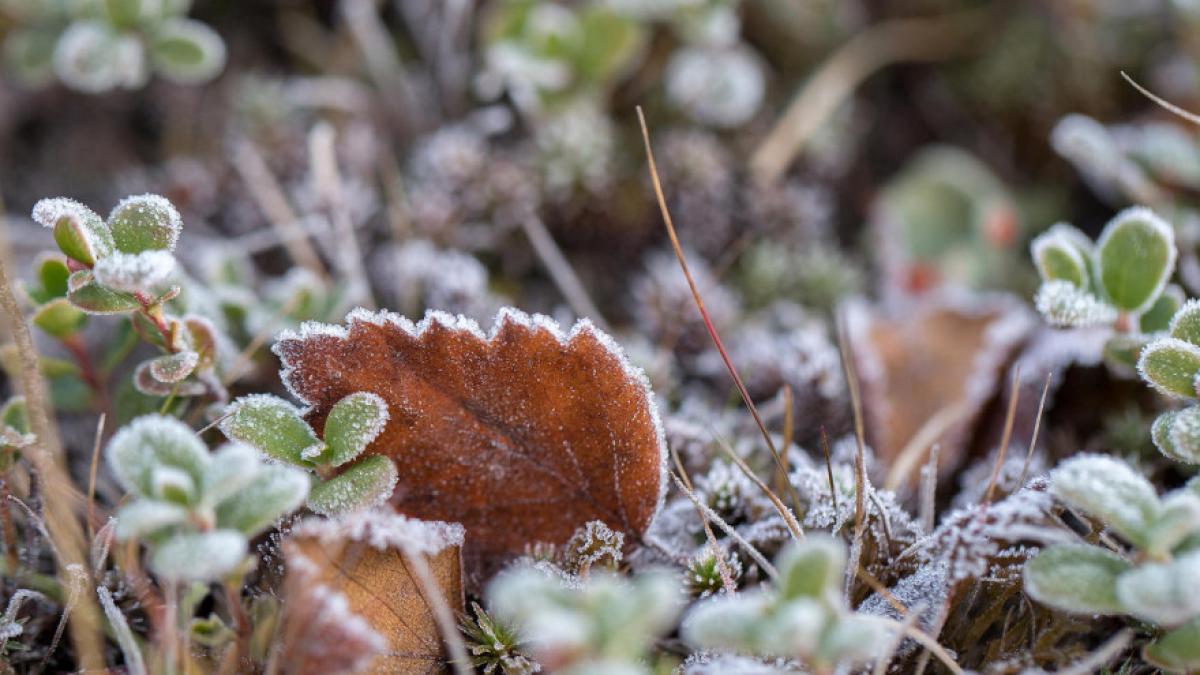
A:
59,318
126,13
29,54
234,466
1163,593
173,368
78,231
1185,325
352,424
1170,365
145,223
1076,578
89,296
147,517
1184,435
809,569
207,556
52,275
274,427
1108,490
173,485
1135,258
1161,314
1178,651
276,491
1058,259
368,482
1179,519
187,51
14,425
151,442
1160,433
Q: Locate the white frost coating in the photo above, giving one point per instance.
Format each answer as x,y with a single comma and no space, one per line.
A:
721,87
47,212
460,323
280,408
1161,227
384,530
1056,238
134,272
1063,304
160,208
1189,309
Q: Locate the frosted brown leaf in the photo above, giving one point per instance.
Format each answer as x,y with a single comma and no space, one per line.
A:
354,604
523,435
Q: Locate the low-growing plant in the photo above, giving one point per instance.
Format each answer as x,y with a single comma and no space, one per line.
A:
1151,579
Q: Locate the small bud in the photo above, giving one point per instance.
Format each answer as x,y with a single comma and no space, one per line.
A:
1062,304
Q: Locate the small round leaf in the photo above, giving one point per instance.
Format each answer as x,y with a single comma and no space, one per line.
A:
352,424
1076,578
1135,258
1170,365
273,426
368,482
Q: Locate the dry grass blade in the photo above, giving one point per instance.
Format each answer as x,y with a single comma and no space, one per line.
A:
687,273
46,456
860,453
927,436
91,493
561,271
1037,427
1162,102
723,567
746,546
789,518
1009,417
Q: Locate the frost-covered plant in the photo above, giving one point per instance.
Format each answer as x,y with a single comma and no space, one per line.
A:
1171,364
707,574
197,510
604,623
14,430
125,265
101,45
346,481
805,617
494,646
1119,280
1154,582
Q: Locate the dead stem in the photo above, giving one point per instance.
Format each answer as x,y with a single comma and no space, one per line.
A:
860,468
46,457
758,558
881,45
91,493
1037,427
1009,418
442,614
561,271
726,574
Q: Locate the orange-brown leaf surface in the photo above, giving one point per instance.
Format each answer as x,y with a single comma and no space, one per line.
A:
522,435
938,356
353,603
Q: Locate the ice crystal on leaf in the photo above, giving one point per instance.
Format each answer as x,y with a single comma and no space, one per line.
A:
537,432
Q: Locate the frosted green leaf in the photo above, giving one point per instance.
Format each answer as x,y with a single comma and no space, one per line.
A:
203,340
1160,433
727,622
1135,257
793,629
1076,578
273,426
852,639
145,223
78,231
206,556
147,384
1161,314
1062,304
1185,325
276,491
88,295
1178,651
1184,435
368,482
146,517
352,424
1163,593
1179,519
172,484
150,442
172,368
187,51
127,13
59,318
52,275
134,272
811,567
92,58
1108,490
1058,259
1170,365
14,424
234,466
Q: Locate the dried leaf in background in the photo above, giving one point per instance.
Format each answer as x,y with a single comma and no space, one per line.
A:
354,604
522,436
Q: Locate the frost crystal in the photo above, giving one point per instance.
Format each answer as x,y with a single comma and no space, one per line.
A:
721,86
383,529
1065,305
134,272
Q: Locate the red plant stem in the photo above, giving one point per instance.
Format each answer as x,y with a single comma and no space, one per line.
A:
10,530
87,369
